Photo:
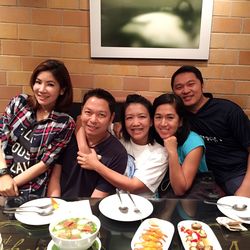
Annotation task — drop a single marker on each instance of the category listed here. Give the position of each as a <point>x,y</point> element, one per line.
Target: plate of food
<point>242,216</point>
<point>197,235</point>
<point>96,245</point>
<point>153,233</point>
<point>109,207</point>
<point>74,231</point>
<point>33,218</point>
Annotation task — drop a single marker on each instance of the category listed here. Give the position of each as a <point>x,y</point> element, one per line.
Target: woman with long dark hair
<point>34,129</point>
<point>185,148</point>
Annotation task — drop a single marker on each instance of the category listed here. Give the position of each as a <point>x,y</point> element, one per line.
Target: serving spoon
<point>28,206</point>
<point>237,207</point>
<point>40,211</point>
<point>122,208</point>
<point>136,209</point>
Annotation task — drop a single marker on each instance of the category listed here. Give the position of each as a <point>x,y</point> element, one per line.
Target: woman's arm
<point>54,187</point>
<point>182,176</point>
<point>99,194</point>
<point>30,174</point>
<point>107,173</point>
<point>90,161</point>
<point>8,186</point>
<point>2,160</point>
<point>85,150</point>
<point>81,138</point>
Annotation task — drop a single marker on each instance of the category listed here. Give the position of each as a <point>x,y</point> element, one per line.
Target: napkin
<point>231,224</point>
<point>81,207</point>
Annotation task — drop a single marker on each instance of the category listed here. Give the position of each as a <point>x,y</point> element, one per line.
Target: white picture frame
<point>200,51</point>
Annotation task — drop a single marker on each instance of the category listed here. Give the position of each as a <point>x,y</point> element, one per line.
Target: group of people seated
<point>159,149</point>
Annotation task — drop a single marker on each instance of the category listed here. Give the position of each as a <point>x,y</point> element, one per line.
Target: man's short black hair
<point>184,69</point>
<point>101,94</point>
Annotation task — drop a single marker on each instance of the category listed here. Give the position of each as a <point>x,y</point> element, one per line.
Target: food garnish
<point>74,228</point>
<point>54,203</point>
<point>151,238</point>
<point>196,237</point>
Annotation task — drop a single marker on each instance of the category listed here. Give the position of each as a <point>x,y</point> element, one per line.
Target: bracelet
<point>4,171</point>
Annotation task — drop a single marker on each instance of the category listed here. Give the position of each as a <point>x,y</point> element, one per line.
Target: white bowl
<point>76,244</point>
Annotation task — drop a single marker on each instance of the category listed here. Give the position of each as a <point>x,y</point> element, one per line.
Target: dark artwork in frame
<point>156,29</point>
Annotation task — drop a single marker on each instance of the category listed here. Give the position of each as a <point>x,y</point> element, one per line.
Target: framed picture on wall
<point>154,29</point>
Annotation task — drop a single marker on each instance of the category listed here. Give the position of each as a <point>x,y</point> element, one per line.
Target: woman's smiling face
<point>138,122</point>
<point>46,90</point>
<point>166,120</point>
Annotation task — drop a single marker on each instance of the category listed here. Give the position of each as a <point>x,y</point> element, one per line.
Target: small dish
<point>34,219</point>
<point>231,224</point>
<point>74,231</point>
<point>235,215</point>
<point>197,232</point>
<point>161,230</point>
<point>96,245</point>
<point>145,206</point>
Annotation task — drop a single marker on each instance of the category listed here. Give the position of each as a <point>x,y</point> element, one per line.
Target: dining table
<point>115,234</point>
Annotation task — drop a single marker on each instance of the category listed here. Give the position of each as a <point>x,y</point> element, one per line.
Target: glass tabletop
<point>116,235</point>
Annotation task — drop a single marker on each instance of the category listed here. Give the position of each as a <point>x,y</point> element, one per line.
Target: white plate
<point>31,218</point>
<point>52,246</point>
<point>109,207</point>
<point>231,213</point>
<point>211,238</point>
<point>166,228</point>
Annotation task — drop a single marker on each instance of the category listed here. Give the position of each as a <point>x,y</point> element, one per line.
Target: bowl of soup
<point>74,232</point>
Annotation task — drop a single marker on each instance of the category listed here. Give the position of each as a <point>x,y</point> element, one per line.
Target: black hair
<point>183,131</point>
<point>134,99</point>
<point>61,74</point>
<point>101,94</point>
<point>184,69</point>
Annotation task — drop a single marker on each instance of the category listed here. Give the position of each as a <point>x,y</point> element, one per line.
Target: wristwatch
<point>4,171</point>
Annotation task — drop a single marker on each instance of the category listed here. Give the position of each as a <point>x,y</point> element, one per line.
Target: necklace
<point>42,114</point>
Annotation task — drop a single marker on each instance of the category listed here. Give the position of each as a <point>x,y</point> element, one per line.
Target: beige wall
<point>31,31</point>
